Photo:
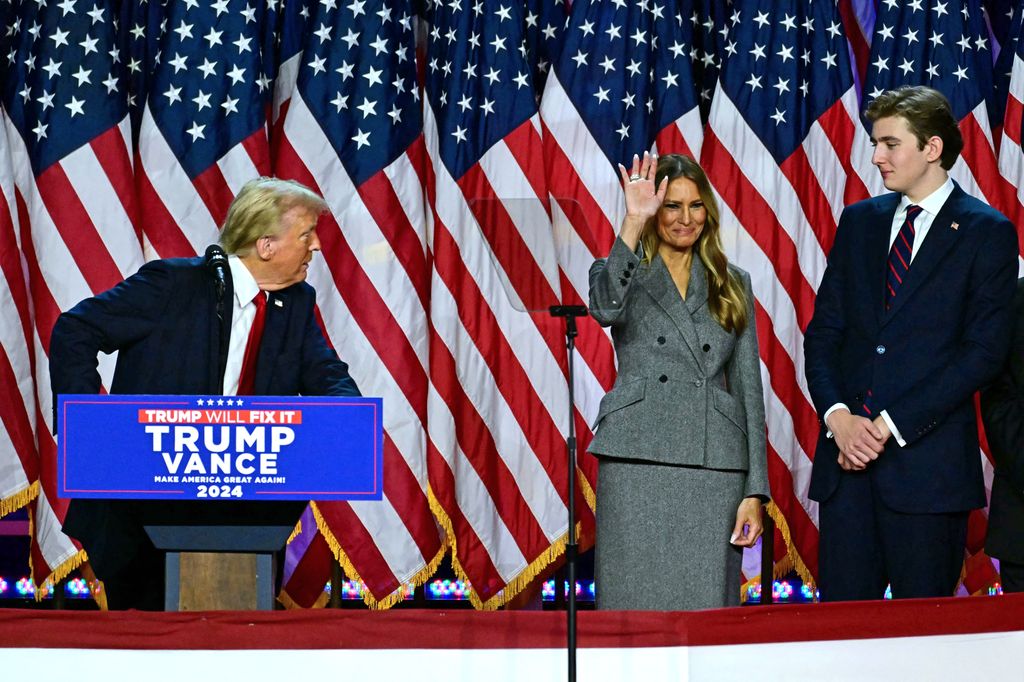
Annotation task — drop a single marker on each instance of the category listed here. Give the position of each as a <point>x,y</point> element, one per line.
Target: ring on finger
<point>634,177</point>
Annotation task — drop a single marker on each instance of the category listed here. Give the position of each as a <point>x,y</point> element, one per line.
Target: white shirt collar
<point>242,281</point>
<point>932,203</point>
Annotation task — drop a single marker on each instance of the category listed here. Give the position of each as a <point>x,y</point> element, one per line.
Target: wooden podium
<point>220,555</point>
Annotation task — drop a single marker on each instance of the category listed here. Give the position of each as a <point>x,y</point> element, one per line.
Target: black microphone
<point>217,264</point>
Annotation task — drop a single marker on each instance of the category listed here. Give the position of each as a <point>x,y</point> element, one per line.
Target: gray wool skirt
<point>663,536</point>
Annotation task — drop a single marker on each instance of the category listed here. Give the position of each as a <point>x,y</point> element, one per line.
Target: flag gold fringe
<point>19,499</point>
<point>588,492</point>
<point>792,561</point>
<point>296,532</point>
<point>797,562</point>
<point>511,589</point>
<point>62,571</point>
<point>390,600</point>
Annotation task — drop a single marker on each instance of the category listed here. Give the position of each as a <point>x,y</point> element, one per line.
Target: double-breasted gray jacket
<point>687,392</point>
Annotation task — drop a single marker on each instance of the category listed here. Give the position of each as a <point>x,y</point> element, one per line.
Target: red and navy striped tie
<point>896,271</point>
<point>899,256</point>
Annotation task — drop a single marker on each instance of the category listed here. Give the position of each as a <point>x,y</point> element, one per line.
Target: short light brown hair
<point>257,209</point>
<point>927,113</point>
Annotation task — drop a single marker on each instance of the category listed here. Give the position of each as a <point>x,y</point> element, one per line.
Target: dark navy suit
<point>945,336</point>
<point>1002,408</point>
<point>164,323</point>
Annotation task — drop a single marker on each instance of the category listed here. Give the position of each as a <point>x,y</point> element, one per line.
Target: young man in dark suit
<point>911,319</point>
<point>181,326</point>
<point>1002,410</point>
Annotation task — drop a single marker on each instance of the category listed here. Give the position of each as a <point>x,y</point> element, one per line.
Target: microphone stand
<point>570,313</point>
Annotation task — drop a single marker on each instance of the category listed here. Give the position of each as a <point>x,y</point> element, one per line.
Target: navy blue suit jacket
<point>945,336</point>
<point>164,324</point>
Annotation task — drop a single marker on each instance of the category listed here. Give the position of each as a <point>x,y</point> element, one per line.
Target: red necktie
<point>247,379</point>
<point>899,256</point>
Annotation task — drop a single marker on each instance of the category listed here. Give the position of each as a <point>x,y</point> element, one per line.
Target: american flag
<point>497,405</point>
<point>352,128</point>
<point>946,45</point>
<point>456,202</point>
<point>785,153</point>
<point>623,84</point>
<point>70,210</point>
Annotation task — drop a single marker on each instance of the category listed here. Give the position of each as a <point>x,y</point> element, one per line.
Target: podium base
<point>206,581</point>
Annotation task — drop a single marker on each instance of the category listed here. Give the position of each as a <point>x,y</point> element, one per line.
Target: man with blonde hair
<point>240,324</point>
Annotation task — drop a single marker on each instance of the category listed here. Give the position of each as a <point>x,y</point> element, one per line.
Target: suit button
<point>627,274</point>
<point>707,347</point>
<point>859,398</point>
<point>698,382</point>
<point>663,378</point>
<point>661,340</point>
<point>880,349</point>
<point>622,281</point>
<point>631,265</point>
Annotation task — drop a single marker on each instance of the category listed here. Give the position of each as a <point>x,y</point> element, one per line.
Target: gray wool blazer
<point>687,392</point>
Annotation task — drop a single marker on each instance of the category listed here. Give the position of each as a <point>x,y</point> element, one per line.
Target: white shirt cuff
<point>837,406</point>
<point>892,428</point>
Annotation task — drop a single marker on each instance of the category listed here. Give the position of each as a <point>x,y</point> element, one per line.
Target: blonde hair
<point>257,209</point>
<point>726,299</point>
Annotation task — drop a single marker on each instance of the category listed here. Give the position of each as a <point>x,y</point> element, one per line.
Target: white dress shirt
<point>930,207</point>
<point>243,313</point>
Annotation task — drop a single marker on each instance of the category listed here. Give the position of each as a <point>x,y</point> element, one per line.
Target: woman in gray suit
<point>681,436</point>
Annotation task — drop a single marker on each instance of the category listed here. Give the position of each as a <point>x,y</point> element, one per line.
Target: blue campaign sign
<point>160,447</point>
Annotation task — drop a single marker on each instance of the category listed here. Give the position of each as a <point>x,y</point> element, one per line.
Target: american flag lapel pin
<point>278,303</point>
<point>955,225</point>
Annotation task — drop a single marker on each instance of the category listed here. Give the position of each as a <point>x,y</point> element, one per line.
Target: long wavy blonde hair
<point>726,298</point>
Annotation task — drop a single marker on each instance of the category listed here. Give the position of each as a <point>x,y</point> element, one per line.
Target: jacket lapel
<point>940,239</point>
<point>662,289</point>
<point>879,227</point>
<point>274,327</point>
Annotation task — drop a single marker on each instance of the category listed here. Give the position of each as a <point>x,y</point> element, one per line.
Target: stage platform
<point>978,638</point>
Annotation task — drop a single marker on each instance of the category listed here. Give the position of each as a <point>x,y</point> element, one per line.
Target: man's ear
<point>933,149</point>
<point>265,247</point>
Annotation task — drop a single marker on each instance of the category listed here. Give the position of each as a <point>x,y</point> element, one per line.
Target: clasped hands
<point>860,440</point>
